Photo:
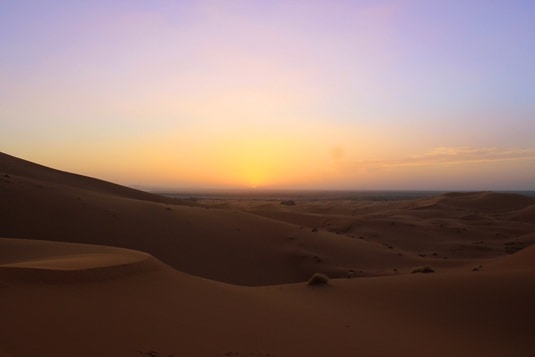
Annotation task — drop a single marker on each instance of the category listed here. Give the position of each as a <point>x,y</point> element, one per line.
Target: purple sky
<point>312,94</point>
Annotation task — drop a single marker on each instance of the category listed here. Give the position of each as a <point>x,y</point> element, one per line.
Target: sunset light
<point>229,94</point>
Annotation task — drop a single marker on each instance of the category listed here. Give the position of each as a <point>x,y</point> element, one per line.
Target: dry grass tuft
<point>424,269</point>
<point>318,279</point>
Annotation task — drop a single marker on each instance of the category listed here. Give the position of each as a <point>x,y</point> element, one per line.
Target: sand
<point>89,268</point>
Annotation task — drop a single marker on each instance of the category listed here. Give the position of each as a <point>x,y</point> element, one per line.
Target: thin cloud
<point>466,154</point>
<point>454,156</point>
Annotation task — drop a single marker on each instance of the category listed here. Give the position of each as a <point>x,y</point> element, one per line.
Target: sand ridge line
<point>73,265</point>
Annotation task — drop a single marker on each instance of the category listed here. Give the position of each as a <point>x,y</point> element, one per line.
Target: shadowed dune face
<point>40,176</point>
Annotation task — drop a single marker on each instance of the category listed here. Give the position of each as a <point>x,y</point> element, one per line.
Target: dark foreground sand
<point>228,278</point>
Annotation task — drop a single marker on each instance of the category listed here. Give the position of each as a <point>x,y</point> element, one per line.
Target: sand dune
<point>174,293</point>
<point>524,215</point>
<point>51,262</point>
<point>521,260</point>
<point>40,176</point>
<point>486,201</point>
<point>236,246</point>
<point>456,226</point>
<point>168,313</point>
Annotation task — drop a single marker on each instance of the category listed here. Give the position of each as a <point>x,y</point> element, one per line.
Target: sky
<point>416,94</point>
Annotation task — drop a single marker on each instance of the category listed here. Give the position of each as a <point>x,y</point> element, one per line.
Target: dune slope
<point>162,312</point>
<point>12,167</point>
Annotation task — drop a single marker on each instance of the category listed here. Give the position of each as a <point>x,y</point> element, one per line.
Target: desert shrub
<point>424,269</point>
<point>318,279</point>
<point>288,202</point>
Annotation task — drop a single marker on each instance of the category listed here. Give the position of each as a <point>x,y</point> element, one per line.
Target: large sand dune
<point>160,311</point>
<point>234,245</point>
<point>62,298</point>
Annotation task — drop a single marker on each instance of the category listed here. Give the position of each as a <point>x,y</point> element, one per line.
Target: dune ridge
<point>486,201</point>
<point>11,167</point>
<point>25,261</point>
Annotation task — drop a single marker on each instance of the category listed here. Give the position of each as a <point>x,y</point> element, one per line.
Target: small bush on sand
<point>288,202</point>
<point>424,269</point>
<point>318,279</point>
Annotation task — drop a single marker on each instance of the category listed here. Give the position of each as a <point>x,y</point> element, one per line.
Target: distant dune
<point>90,268</point>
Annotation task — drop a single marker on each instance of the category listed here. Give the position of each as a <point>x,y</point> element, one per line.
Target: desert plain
<point>91,268</point>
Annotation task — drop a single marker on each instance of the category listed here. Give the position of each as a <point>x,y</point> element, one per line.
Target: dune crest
<point>494,201</point>
<point>12,168</point>
<point>54,262</point>
<point>523,260</point>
